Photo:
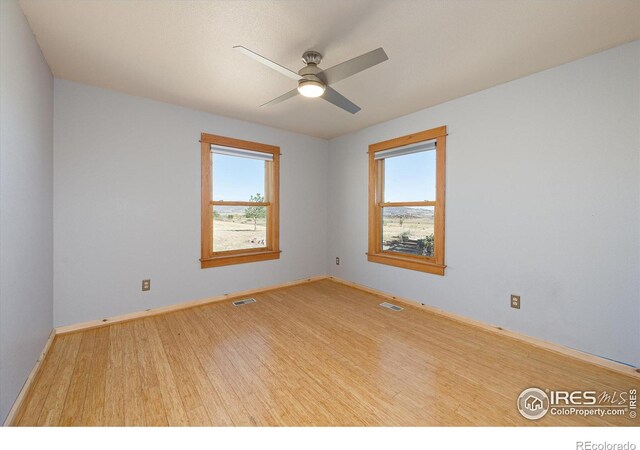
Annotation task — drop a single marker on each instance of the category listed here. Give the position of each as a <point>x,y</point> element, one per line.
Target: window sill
<point>407,262</point>
<point>241,258</point>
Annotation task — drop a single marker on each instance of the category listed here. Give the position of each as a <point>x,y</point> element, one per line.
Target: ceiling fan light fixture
<point>311,88</point>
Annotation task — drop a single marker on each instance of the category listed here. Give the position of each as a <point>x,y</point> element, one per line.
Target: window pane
<point>408,230</point>
<point>237,178</point>
<point>410,178</point>
<point>239,227</point>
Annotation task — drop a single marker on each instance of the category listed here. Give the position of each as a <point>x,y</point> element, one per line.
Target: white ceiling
<point>181,52</point>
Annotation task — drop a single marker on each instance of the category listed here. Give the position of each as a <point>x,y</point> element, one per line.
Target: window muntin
<point>406,201</point>
<point>239,201</point>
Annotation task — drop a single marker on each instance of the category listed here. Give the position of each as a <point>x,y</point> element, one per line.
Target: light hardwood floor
<point>315,354</point>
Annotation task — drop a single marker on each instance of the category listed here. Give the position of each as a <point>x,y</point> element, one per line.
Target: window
<point>240,181</point>
<point>406,201</point>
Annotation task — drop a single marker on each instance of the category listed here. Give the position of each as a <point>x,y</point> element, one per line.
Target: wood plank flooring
<point>318,354</point>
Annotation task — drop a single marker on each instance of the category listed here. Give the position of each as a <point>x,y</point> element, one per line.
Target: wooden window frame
<point>210,258</point>
<point>434,264</point>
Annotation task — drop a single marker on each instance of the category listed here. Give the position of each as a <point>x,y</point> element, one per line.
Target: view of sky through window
<point>236,178</point>
<point>410,178</point>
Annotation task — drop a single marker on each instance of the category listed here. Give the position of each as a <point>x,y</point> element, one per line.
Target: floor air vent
<point>391,306</point>
<point>244,301</point>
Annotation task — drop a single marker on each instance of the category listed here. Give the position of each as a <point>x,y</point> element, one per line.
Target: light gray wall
<point>542,201</point>
<point>26,202</point>
<point>127,205</point>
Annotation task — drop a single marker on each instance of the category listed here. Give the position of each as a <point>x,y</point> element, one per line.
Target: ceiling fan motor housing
<point>311,71</point>
<point>311,82</point>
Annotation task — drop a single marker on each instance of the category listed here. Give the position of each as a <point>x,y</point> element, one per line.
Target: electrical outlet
<point>337,261</point>
<point>515,301</point>
<point>146,285</point>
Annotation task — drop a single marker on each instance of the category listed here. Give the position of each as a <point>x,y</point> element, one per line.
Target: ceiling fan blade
<point>282,98</point>
<point>355,65</point>
<point>333,96</point>
<point>268,62</point>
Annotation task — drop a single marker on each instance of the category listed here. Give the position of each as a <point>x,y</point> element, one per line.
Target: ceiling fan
<point>315,82</point>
